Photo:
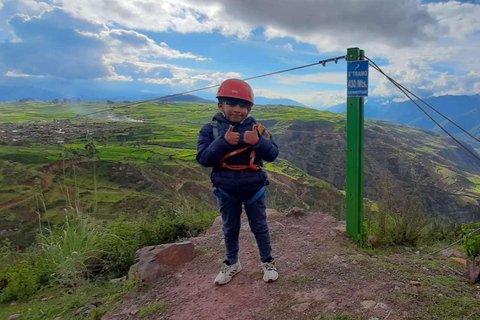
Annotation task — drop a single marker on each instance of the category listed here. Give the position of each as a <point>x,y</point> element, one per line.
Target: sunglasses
<point>233,102</point>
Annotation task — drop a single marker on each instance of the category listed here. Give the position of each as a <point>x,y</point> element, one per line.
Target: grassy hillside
<point>78,196</point>
<point>140,159</point>
<point>110,168</point>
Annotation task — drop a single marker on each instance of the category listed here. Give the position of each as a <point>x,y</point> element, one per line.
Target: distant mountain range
<point>13,93</point>
<point>463,110</point>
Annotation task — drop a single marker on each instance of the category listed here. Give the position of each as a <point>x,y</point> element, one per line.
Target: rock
<point>415,283</point>
<point>372,240</point>
<point>134,312</point>
<point>296,212</point>
<point>85,310</point>
<point>368,304</point>
<point>272,212</point>
<point>341,226</point>
<point>124,278</point>
<point>158,261</point>
<point>302,307</point>
<point>473,271</point>
<point>381,305</point>
<point>15,316</point>
<point>129,310</point>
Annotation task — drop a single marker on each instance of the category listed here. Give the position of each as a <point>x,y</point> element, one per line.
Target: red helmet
<point>235,88</point>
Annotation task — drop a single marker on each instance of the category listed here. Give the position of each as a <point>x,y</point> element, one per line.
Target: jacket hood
<point>221,118</point>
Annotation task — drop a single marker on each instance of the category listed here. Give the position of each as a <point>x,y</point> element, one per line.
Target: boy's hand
<point>251,137</point>
<point>232,137</point>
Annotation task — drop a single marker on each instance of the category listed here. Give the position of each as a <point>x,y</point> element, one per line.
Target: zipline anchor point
<point>355,137</point>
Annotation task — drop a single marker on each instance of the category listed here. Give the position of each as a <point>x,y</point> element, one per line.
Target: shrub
<point>20,281</point>
<point>21,273</point>
<point>121,241</point>
<point>471,239</point>
<point>406,225</point>
<point>72,251</point>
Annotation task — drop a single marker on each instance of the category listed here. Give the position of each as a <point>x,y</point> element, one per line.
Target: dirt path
<point>321,276</point>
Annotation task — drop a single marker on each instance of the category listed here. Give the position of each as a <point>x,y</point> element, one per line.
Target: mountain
<point>463,110</point>
<point>188,98</point>
<point>12,93</point>
<point>258,100</point>
<point>144,165</point>
<point>284,102</point>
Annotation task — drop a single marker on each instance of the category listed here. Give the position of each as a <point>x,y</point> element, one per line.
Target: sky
<point>159,47</point>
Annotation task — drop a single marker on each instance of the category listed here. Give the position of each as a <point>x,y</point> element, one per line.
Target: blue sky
<point>97,48</point>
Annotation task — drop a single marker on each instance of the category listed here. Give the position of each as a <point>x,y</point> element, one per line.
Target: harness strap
<point>251,164</point>
<point>214,124</point>
<point>255,197</point>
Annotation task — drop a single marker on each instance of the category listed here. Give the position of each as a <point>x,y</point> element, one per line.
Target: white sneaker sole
<point>224,283</point>
<point>268,280</point>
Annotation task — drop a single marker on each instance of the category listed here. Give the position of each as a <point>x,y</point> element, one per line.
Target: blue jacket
<point>239,183</point>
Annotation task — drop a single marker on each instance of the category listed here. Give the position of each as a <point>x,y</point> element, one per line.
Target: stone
<point>381,305</point>
<point>302,307</point>
<point>296,212</point>
<point>473,271</point>
<point>158,261</point>
<point>129,310</point>
<point>341,226</point>
<point>372,240</point>
<point>124,278</point>
<point>15,316</point>
<point>272,212</point>
<point>368,304</point>
<point>415,283</point>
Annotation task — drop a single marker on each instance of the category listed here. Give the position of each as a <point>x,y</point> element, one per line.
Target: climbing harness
<point>251,165</point>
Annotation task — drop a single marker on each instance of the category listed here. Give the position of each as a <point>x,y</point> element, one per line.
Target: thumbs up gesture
<point>232,137</point>
<point>251,137</point>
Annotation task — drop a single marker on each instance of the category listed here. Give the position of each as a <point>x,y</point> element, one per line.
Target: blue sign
<point>357,78</point>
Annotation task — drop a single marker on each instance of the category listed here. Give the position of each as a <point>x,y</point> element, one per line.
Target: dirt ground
<point>322,276</point>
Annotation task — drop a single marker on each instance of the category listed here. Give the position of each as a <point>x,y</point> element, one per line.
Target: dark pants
<point>231,210</point>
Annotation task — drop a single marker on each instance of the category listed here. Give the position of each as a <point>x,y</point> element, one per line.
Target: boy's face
<point>235,110</point>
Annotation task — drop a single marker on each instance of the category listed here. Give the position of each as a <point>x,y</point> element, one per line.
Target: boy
<point>235,145</point>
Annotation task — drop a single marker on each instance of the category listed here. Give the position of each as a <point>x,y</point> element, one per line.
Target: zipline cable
<point>426,113</point>
<point>454,243</point>
<point>322,62</point>
<point>423,101</point>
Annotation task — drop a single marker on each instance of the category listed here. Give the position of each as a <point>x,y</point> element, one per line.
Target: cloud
<point>56,44</point>
<point>129,43</point>
<point>288,47</point>
<point>182,78</point>
<point>335,78</point>
<point>312,98</point>
<point>331,26</point>
<point>49,46</point>
<point>160,16</point>
<point>8,8</point>
<point>426,82</point>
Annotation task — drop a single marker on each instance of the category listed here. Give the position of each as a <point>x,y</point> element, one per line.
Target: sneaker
<point>270,273</point>
<point>227,272</point>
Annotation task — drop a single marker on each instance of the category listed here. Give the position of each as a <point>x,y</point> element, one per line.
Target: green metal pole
<point>355,139</point>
